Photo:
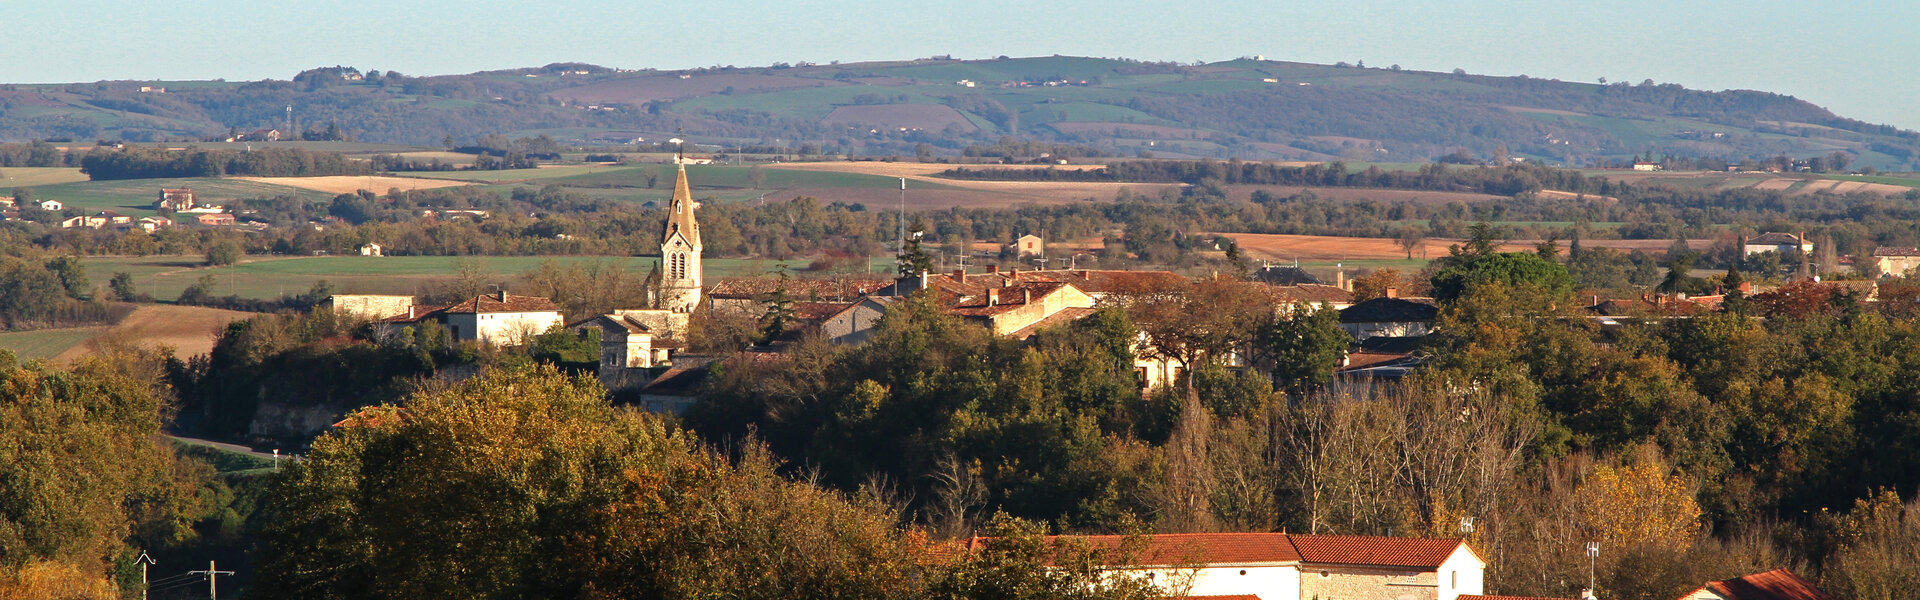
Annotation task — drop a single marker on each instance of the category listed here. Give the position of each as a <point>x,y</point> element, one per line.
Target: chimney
<point>993,268</point>
<point>923,279</point>
<point>503,295</point>
<point>1340,278</point>
<point>1026,296</point>
<point>993,296</point>
<point>410,311</point>
<point>1393,292</point>
<point>960,275</point>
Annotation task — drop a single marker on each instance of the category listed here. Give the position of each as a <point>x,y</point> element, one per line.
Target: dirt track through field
<point>190,330</point>
<point>347,184</point>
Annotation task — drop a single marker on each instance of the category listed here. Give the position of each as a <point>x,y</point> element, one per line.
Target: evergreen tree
<point>913,258</point>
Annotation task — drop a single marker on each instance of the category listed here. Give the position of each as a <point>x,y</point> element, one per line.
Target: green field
<point>135,196</point>
<point>164,277</point>
<point>13,177</point>
<point>506,175</point>
<point>46,343</point>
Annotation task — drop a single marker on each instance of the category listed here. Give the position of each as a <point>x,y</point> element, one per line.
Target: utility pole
<point>144,560</point>
<point>213,590</point>
<point>903,216</point>
<point>1593,556</point>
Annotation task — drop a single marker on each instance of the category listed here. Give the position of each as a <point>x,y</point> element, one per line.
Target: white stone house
<point>1896,261</point>
<point>1030,245</point>
<point>494,319</point>
<point>372,249</point>
<point>627,345</point>
<point>1281,566</point>
<point>368,306</point>
<point>1783,243</point>
<point>52,205</point>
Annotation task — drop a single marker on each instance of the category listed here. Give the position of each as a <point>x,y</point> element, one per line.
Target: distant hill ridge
<point>1253,109</point>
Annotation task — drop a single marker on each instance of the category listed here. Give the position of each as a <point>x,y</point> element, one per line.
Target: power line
<point>213,587</point>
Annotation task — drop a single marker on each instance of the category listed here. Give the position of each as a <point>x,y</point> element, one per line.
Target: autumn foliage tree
<point>524,482</point>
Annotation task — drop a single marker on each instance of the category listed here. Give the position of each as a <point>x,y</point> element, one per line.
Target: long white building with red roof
<point>1282,566</point>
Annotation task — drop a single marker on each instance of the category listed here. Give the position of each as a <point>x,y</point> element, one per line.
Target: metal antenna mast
<point>213,589</point>
<point>144,560</point>
<point>903,216</point>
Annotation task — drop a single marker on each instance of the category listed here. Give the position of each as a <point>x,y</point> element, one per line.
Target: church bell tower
<point>680,248</point>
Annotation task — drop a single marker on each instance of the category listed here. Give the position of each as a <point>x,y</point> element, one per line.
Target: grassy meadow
<point>46,343</point>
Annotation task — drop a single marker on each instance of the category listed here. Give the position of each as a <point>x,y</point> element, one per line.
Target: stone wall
<point>1324,583</point>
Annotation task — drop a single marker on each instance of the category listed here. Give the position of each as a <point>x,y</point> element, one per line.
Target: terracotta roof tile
<point>1775,239</point>
<point>979,303</point>
<point>1374,550</point>
<point>1066,315</point>
<point>1244,548</point>
<point>502,303</point>
<point>818,311</point>
<point>797,288</point>
<point>1215,548</point>
<point>1896,251</point>
<point>1778,584</point>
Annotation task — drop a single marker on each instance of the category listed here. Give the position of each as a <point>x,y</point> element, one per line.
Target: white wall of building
<point>503,328</point>
<point>1269,582</point>
<point>1462,573</point>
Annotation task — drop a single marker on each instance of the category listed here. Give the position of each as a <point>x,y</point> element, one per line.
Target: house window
<point>456,331</point>
<point>1453,580</point>
<point>1140,377</point>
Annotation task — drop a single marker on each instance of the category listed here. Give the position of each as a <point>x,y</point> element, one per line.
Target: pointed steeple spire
<point>680,218</point>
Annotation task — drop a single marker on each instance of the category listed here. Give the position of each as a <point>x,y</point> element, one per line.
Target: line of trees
<point>138,163</point>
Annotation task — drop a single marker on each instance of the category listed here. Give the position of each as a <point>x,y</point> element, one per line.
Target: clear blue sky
<point>1857,58</point>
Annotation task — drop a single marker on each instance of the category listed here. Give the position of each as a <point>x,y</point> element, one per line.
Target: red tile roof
<point>980,303</point>
<point>1495,597</point>
<point>1775,239</point>
<point>797,288</point>
<point>1242,548</point>
<point>1778,584</point>
<point>1066,315</point>
<point>818,311</point>
<point>1374,550</point>
<point>1362,360</point>
<point>1204,548</point>
<point>502,303</point>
